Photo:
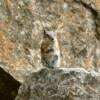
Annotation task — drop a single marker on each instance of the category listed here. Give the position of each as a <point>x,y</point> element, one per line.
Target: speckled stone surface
<point>22,22</point>
<point>66,84</point>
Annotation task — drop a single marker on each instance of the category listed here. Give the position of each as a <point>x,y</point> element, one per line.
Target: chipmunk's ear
<point>45,34</point>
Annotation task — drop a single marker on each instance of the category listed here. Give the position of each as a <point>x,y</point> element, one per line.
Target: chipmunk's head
<point>49,34</point>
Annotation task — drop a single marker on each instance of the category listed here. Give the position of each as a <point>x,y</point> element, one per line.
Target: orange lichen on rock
<point>5,47</point>
<point>98,4</point>
<point>22,62</point>
<point>18,64</point>
<point>6,50</point>
<point>3,25</point>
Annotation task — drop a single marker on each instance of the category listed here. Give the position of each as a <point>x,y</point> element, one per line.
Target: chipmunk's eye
<point>45,35</point>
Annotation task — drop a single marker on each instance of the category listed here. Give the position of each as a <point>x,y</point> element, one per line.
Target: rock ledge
<point>61,84</point>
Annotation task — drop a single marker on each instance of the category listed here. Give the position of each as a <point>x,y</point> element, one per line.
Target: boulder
<point>61,84</point>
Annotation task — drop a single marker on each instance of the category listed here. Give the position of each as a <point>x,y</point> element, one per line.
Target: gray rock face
<point>61,84</point>
<point>22,22</point>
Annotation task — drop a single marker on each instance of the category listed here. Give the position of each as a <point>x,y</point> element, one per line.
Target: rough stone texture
<point>58,84</point>
<point>21,25</point>
<point>8,86</point>
<point>98,4</point>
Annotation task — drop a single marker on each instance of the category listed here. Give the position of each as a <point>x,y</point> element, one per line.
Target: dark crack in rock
<point>61,84</point>
<point>8,86</point>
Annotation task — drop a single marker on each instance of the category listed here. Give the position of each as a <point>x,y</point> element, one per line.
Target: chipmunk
<point>50,52</point>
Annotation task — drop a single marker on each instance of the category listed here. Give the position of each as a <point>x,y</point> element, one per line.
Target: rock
<point>22,22</point>
<point>8,86</point>
<point>98,4</point>
<point>61,84</point>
